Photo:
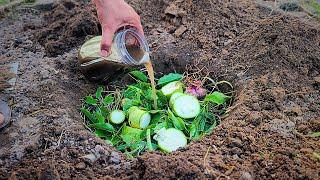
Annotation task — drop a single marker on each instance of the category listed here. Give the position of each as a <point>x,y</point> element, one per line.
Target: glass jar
<point>128,49</point>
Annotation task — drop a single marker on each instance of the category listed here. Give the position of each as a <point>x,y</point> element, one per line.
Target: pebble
<point>127,166</point>
<point>99,149</point>
<point>235,142</point>
<point>90,157</point>
<point>45,74</point>
<point>246,176</point>
<point>81,165</point>
<point>114,158</point>
<point>317,79</point>
<point>229,41</point>
<point>180,31</point>
<point>224,52</point>
<point>236,151</point>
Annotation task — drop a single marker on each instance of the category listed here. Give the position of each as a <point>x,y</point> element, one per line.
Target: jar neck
<point>132,55</point>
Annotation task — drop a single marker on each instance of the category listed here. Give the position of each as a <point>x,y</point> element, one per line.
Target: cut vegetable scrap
<point>185,106</point>
<point>171,139</point>
<point>174,96</point>
<point>117,116</point>
<point>177,114</point>
<point>138,118</point>
<point>173,87</point>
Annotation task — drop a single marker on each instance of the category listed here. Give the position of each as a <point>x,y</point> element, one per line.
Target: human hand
<point>114,15</point>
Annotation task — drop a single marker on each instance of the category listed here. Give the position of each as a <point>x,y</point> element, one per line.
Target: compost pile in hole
<point>272,59</point>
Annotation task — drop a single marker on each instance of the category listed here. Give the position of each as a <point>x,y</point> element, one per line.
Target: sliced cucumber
<point>174,96</point>
<point>170,139</point>
<point>186,106</point>
<point>117,116</point>
<point>138,118</point>
<point>169,89</point>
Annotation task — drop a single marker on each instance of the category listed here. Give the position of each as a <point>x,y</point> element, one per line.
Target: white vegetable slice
<point>169,89</point>
<point>117,116</point>
<point>170,139</point>
<point>186,106</point>
<point>138,118</point>
<point>174,96</point>
<point>145,120</point>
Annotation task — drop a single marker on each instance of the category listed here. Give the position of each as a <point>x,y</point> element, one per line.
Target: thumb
<point>107,37</point>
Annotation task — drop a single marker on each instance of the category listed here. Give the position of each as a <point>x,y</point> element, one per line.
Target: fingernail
<point>104,53</point>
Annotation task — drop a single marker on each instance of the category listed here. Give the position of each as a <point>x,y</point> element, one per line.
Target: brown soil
<point>271,58</point>
<point>67,26</point>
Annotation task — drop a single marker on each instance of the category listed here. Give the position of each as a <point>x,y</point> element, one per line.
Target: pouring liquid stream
<point>150,71</point>
<point>137,53</point>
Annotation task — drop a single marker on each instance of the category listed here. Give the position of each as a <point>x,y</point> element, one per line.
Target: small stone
<point>246,176</point>
<point>127,166</point>
<point>114,158</point>
<point>81,166</point>
<point>224,52</point>
<point>235,142</point>
<point>297,110</point>
<point>90,157</point>
<point>180,31</point>
<point>317,79</point>
<point>99,149</point>
<point>173,10</point>
<point>235,156</point>
<point>236,151</point>
<point>45,74</point>
<point>256,107</point>
<point>229,41</point>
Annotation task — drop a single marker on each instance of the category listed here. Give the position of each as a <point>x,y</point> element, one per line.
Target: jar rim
<point>142,43</point>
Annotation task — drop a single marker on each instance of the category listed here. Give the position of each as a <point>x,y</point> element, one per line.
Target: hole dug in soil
<point>188,108</point>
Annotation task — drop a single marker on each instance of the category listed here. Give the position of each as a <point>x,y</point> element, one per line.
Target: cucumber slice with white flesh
<point>170,139</point>
<point>186,106</point>
<point>169,89</point>
<point>117,116</point>
<point>174,96</point>
<point>138,118</point>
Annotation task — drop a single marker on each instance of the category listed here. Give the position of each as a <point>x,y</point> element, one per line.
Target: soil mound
<point>67,25</point>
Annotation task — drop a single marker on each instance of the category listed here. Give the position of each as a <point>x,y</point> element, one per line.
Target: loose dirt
<point>271,58</point>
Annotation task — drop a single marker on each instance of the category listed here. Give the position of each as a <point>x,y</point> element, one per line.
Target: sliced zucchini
<point>170,139</point>
<point>174,96</point>
<point>169,89</point>
<point>117,116</point>
<point>186,106</point>
<point>138,118</point>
